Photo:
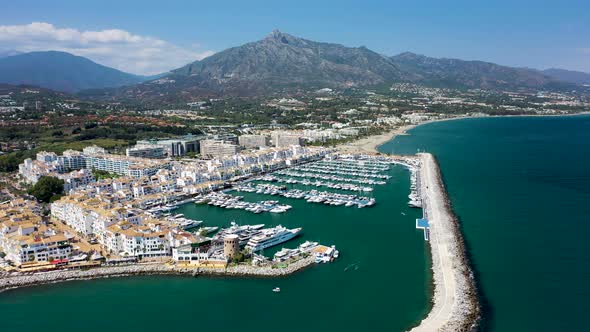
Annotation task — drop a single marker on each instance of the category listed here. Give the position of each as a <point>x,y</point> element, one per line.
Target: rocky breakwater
<point>455,302</point>
<point>24,280</point>
<point>268,271</point>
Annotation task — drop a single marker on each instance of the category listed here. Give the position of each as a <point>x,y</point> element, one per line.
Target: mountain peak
<point>276,33</point>
<point>408,55</point>
<point>281,37</point>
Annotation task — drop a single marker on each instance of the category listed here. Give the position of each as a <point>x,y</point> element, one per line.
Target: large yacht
<point>244,233</point>
<point>271,237</point>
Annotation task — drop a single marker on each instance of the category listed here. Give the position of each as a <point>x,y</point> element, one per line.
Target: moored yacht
<point>271,237</point>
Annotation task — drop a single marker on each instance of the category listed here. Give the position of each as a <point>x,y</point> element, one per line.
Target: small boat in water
<point>276,289</point>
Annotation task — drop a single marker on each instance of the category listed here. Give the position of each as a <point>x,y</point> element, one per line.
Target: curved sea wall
<point>455,301</point>
<point>18,281</point>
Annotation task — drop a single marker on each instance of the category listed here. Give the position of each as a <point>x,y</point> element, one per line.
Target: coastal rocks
<point>268,271</point>
<point>66,275</point>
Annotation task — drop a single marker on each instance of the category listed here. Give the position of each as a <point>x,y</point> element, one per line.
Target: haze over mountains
<point>276,63</point>
<point>576,77</point>
<point>61,71</point>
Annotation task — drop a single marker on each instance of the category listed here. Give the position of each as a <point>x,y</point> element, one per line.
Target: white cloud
<point>112,47</point>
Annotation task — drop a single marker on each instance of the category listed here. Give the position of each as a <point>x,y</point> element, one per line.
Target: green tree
<point>47,189</point>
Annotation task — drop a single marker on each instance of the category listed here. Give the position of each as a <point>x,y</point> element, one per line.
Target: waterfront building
<point>25,238</point>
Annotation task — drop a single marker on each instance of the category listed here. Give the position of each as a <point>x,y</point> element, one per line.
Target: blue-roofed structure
<point>423,224</point>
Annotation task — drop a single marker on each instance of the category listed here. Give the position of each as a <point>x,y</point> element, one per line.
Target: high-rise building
<point>254,141</point>
<point>285,139</point>
<point>215,149</point>
<point>146,151</point>
<point>175,147</point>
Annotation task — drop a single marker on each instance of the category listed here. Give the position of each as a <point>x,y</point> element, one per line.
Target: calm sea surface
<point>521,188</point>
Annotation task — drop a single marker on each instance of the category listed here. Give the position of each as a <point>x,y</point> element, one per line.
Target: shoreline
<point>455,300</point>
<point>53,277</point>
<point>372,143</point>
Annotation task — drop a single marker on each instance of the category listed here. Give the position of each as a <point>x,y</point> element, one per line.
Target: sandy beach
<point>455,304</point>
<point>371,143</point>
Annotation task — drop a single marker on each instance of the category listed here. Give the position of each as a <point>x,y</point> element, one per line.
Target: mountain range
<point>576,77</point>
<point>61,71</point>
<point>279,62</point>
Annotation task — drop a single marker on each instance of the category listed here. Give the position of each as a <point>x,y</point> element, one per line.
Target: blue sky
<point>153,36</point>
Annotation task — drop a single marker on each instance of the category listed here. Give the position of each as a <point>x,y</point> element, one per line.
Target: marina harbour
<point>382,258</point>
<point>256,238</point>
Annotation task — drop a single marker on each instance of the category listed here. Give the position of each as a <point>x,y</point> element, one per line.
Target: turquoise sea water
<point>389,291</point>
<point>521,188</point>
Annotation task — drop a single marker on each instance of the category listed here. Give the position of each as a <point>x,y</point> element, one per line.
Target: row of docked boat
<point>353,165</point>
<point>343,169</point>
<point>181,222</point>
<point>311,196</point>
<point>415,195</point>
<point>235,202</point>
<point>339,168</point>
<point>311,175</point>
<point>316,183</point>
<point>327,170</point>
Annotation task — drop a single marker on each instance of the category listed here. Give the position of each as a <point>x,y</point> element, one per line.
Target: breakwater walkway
<point>455,303</point>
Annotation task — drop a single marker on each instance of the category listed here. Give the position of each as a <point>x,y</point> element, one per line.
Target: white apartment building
<point>254,141</point>
<point>146,151</point>
<point>217,148</point>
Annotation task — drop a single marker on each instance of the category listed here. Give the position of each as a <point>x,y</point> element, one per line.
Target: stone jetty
<point>455,302</point>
